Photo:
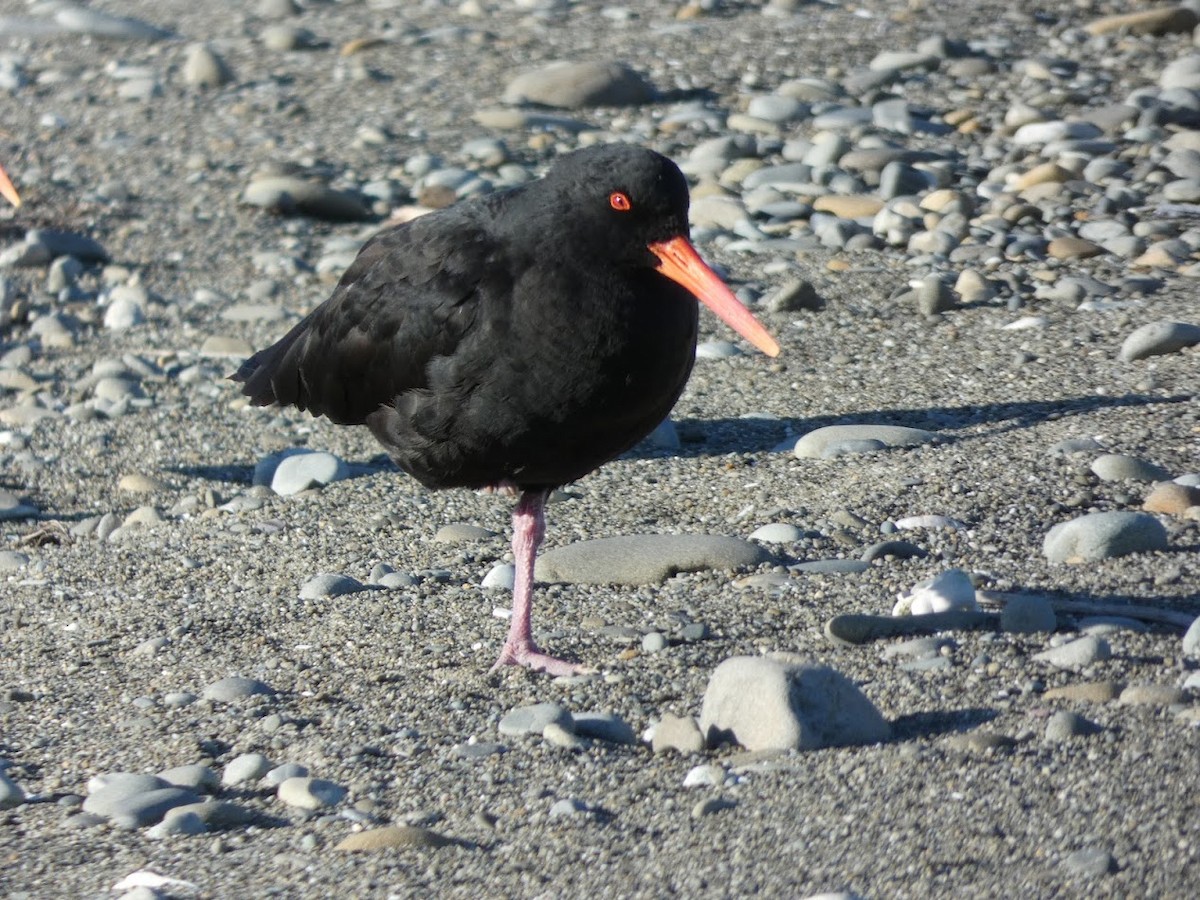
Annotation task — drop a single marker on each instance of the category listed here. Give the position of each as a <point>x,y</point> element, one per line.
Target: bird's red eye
<point>619,201</point>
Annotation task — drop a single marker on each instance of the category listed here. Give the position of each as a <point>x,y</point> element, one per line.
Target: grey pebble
<point>777,533</point>
<point>235,687</point>
<point>330,584</point>
<point>126,809</point>
<point>310,793</point>
<point>500,577</point>
<point>814,444</point>
<point>288,195</point>
<point>12,560</point>
<point>194,777</point>
<point>1076,654</point>
<point>11,793</point>
<point>301,471</point>
<point>1104,535</point>
<point>1120,467</point>
<point>568,85</point>
<point>710,805</point>
<point>567,807</point>
<point>203,68</point>
<point>717,350</point>
<point>245,768</point>
<point>82,20</point>
<point>1064,725</point>
<point>462,533</point>
<point>1090,862</point>
<point>1159,338</point>
<point>176,824</point>
<point>678,733</point>
<point>654,642</point>
<point>282,773</point>
<point>534,719</point>
<point>786,703</point>
<point>645,559</point>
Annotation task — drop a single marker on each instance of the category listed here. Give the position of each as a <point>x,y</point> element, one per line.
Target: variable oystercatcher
<point>518,340</point>
<point>7,191</point>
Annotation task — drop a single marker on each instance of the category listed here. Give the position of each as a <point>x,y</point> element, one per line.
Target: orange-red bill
<point>680,262</point>
<point>7,191</point>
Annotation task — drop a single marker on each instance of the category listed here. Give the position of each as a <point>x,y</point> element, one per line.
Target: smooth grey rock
<point>82,20</point>
<point>1077,653</point>
<point>244,768</point>
<point>645,558</point>
<point>567,807</point>
<point>177,824</point>
<point>1064,725</point>
<point>500,577</point>
<point>568,85</point>
<point>194,777</point>
<point>786,703</point>
<point>136,810</point>
<point>1090,862</point>
<point>1119,467</point>
<point>462,533</point>
<point>777,533</point>
<point>1159,338</point>
<point>1104,535</point>
<point>330,584</point>
<point>302,471</point>
<point>11,793</point>
<point>288,195</point>
<point>310,793</point>
<point>235,687</point>
<point>280,774</point>
<point>203,68</point>
<point>534,719</point>
<point>678,733</point>
<point>814,444</point>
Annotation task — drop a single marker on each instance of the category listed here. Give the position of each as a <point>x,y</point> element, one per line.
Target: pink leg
<point>529,526</point>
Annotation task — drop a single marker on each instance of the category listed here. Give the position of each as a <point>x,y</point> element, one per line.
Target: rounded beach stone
<point>569,85</point>
<point>392,836</point>
<point>771,703</point>
<point>1104,535</point>
<point>815,444</point>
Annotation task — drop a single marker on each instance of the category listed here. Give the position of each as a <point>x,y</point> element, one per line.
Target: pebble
<point>195,777</point>
<point>1151,695</point>
<point>678,733</point>
<point>1090,862</point>
<point>1076,654</point>
<point>11,793</point>
<point>330,584</point>
<point>567,807</point>
<point>128,806</point>
<point>568,85</point>
<point>203,68</point>
<point>1158,339</point>
<point>301,471</point>
<point>235,687</point>
<point>777,533</point>
<point>462,533</point>
<point>1064,725</point>
<point>1119,467</point>
<point>824,443</point>
<point>245,768</point>
<point>534,719</point>
<point>1085,692</point>
<point>781,702</point>
<point>645,559</point>
<point>1104,535</point>
<point>500,577</point>
<point>710,805</point>
<point>288,196</point>
<point>1171,499</point>
<point>282,773</point>
<point>310,793</point>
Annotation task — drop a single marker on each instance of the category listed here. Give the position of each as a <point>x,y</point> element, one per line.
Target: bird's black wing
<point>409,297</point>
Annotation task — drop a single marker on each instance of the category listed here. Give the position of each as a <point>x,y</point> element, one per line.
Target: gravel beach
<point>909,611</point>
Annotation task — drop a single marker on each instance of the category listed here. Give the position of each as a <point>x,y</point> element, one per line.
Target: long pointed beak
<point>680,262</point>
<point>7,191</point>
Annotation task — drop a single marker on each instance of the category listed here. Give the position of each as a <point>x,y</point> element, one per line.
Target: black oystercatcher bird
<point>7,191</point>
<point>519,340</point>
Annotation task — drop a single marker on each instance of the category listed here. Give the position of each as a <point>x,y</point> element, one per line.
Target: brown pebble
<point>393,836</point>
<point>1172,499</point>
<point>1087,691</point>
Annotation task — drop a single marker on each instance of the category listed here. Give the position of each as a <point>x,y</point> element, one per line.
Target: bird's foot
<point>527,654</point>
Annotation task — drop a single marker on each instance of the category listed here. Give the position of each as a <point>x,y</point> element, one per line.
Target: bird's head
<point>633,203</point>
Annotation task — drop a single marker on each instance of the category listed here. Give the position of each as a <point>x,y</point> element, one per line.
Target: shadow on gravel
<point>236,474</point>
<point>714,437</point>
<point>938,721</point>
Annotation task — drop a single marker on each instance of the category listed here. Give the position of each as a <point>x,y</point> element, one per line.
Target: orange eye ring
<point>619,201</point>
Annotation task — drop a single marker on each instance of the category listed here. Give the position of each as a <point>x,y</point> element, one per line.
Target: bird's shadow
<point>717,437</point>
